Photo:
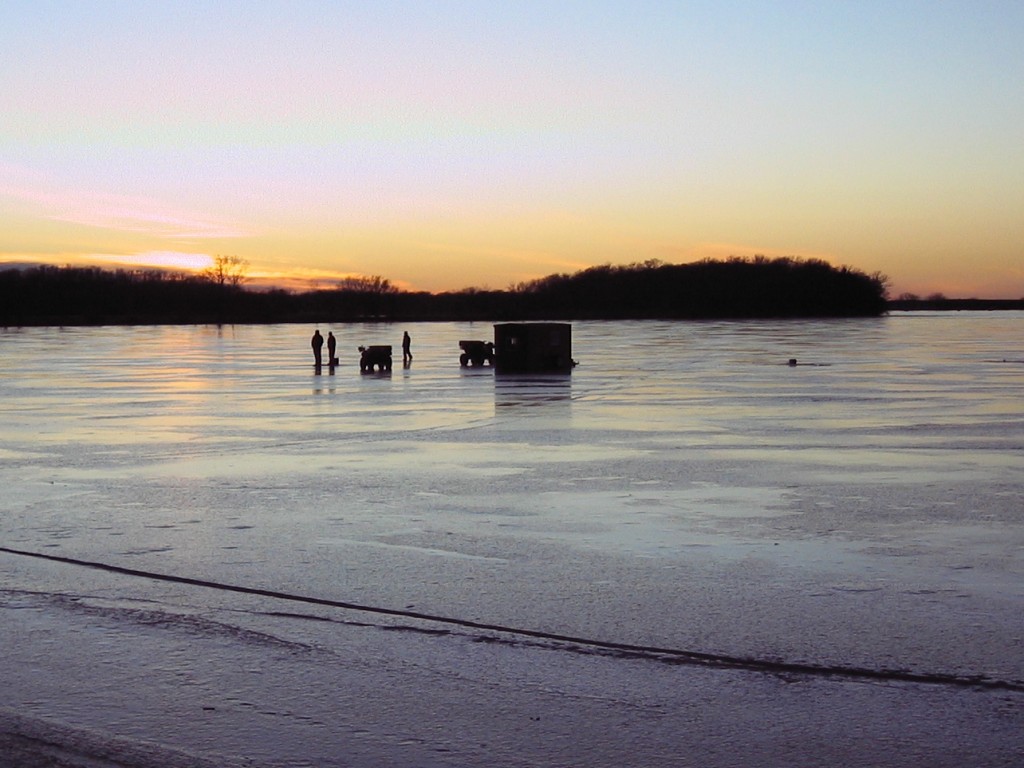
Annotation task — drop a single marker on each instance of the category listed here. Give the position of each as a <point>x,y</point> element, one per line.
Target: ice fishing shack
<point>533,347</point>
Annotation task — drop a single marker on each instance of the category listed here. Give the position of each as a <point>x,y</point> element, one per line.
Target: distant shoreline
<point>734,289</point>
<point>954,305</point>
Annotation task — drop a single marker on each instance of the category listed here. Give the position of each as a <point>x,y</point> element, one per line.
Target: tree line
<point>757,287</point>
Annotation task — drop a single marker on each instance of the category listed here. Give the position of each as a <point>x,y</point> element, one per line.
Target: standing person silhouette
<point>406,353</point>
<point>331,346</point>
<point>317,343</point>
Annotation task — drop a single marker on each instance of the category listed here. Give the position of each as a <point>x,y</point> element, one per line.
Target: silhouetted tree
<point>227,270</point>
<point>374,284</point>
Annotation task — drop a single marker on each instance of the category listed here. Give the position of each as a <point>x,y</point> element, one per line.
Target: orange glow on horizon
<point>181,262</point>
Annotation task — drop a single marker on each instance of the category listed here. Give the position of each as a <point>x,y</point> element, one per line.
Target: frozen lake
<point>756,563</point>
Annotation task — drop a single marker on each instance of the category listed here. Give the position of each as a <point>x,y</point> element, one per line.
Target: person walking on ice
<point>406,348</point>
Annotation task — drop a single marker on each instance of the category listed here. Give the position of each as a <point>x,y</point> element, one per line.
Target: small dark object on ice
<point>378,355</point>
<point>476,352</point>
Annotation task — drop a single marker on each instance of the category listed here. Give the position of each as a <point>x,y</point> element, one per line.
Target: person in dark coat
<point>331,346</point>
<point>317,343</point>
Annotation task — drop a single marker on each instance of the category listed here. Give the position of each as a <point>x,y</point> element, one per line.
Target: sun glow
<point>183,262</point>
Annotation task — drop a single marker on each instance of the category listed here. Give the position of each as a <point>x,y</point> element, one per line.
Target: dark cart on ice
<point>378,355</point>
<point>476,352</point>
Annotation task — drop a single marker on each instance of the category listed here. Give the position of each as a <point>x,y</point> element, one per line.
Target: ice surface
<point>684,488</point>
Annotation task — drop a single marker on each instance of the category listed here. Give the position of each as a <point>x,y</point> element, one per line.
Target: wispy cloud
<point>307,279</point>
<point>119,213</point>
<point>135,216</point>
<point>171,260</point>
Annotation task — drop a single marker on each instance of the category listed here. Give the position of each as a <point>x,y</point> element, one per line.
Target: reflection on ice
<point>511,390</point>
<point>682,488</point>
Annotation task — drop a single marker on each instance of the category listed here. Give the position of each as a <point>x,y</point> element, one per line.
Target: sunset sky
<point>448,144</point>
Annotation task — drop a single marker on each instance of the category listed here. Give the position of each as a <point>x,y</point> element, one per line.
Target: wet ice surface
<point>684,488</point>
